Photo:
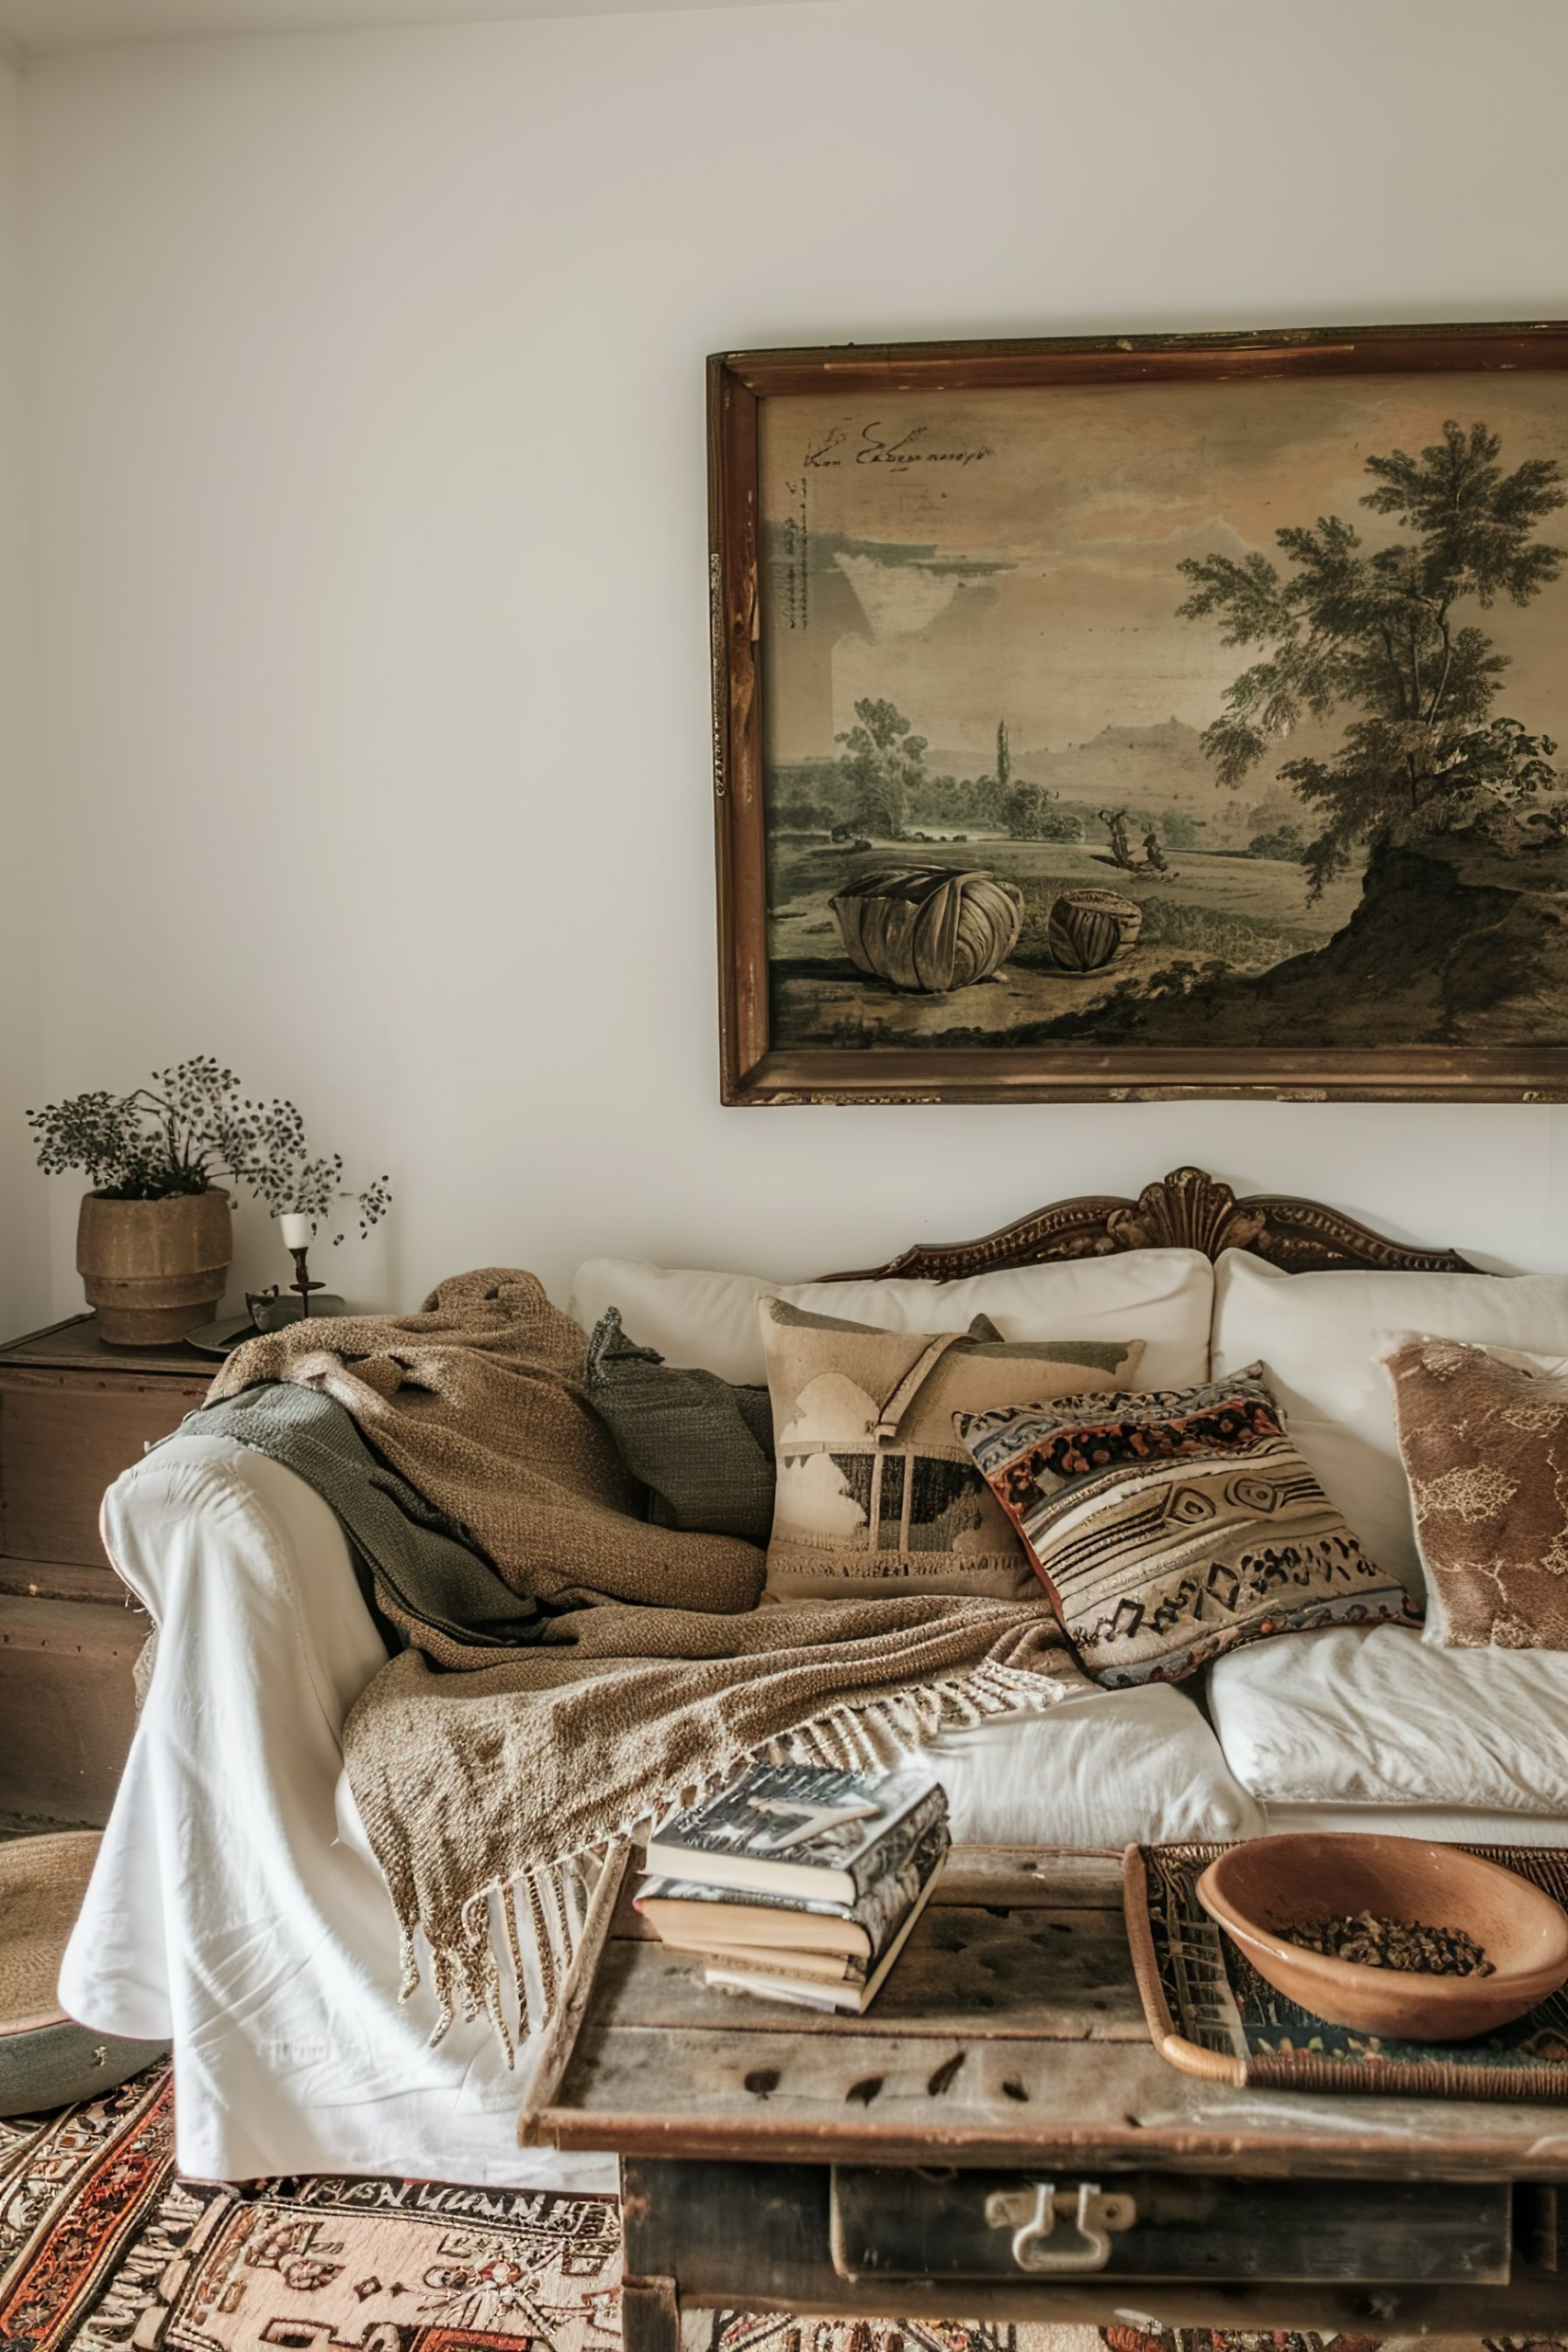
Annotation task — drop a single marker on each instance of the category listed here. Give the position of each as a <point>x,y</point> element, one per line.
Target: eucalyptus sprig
<point>190,1127</point>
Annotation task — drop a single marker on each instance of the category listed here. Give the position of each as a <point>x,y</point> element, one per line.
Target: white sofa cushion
<point>709,1321</point>
<point>1102,1768</point>
<point>1343,1716</point>
<point>1321,1338</point>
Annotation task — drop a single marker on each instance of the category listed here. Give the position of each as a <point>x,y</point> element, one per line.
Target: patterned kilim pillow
<point>1171,1526</point>
<point>875,1497</point>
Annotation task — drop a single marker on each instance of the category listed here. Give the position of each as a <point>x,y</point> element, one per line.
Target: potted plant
<point>153,1240</point>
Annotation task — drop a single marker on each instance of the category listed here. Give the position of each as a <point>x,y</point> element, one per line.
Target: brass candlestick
<point>302,1283</point>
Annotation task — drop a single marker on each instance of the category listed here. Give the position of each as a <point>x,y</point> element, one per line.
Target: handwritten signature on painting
<point>874,447</point>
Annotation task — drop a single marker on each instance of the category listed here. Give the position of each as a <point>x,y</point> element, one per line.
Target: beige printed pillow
<point>875,1497</point>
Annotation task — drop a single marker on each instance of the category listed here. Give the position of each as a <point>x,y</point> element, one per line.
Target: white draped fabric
<point>236,1907</point>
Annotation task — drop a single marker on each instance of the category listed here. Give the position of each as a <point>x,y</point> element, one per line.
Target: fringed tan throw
<point>527,1775</point>
<point>479,1400</point>
<point>509,1785</point>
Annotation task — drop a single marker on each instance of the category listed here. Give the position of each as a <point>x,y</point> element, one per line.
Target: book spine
<point>888,1857</point>
<point>778,1985</point>
<point>804,1996</point>
<point>746,1964</point>
<point>886,1906</point>
<point>775,1960</point>
<point>696,1891</point>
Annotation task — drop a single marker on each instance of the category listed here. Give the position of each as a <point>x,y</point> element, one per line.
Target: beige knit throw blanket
<point>493,1794</point>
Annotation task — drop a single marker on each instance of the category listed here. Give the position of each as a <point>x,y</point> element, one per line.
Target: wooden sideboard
<point>74,1414</point>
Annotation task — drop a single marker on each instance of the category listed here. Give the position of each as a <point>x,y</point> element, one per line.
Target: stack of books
<point>798,1884</point>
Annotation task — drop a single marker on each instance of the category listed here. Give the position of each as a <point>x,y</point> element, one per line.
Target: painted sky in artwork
<point>1014,554</point>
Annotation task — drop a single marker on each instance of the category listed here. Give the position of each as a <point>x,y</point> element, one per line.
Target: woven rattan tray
<point>1210,2013</point>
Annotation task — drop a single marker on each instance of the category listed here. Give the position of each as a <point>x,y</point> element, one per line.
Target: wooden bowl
<point>1255,1890</point>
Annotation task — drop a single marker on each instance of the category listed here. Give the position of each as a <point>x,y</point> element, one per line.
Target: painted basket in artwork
<point>930,927</point>
<point>1087,928</point>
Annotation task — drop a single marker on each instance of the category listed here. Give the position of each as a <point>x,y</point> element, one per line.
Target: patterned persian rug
<point>105,2248</point>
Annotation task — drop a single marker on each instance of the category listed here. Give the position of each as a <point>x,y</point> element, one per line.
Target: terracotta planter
<point>154,1270</point>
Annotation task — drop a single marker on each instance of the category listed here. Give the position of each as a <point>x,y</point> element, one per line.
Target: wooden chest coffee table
<point>997,2139</point>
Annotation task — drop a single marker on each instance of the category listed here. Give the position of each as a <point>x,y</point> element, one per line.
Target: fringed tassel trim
<point>562,1897</point>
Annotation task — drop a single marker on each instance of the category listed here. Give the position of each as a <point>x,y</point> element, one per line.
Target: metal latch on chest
<point>1045,2238</point>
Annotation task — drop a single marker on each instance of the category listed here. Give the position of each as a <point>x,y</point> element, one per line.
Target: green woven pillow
<point>702,1449</point>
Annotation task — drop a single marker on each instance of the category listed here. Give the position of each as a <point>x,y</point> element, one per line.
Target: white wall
<point>23,1265</point>
<point>370,497</point>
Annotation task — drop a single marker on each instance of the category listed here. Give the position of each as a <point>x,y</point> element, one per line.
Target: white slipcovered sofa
<point>237,1908</point>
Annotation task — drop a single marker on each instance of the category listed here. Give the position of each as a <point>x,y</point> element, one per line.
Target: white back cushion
<point>1100,1768</point>
<point>1322,1337</point>
<point>1353,1715</point>
<point>1164,1297</point>
<point>703,1322</point>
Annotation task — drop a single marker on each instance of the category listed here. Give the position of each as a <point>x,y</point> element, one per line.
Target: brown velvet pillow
<point>1484,1443</point>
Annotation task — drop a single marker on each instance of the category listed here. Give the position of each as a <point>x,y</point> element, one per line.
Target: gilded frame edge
<point>753,1071</point>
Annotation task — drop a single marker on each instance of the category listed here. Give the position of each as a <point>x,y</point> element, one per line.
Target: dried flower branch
<point>190,1127</point>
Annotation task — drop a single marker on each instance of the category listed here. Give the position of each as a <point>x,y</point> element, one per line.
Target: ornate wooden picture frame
<point>1147,717</point>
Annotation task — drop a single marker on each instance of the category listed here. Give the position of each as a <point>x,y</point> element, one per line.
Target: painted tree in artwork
<point>1378,636</point>
<point>883,761</point>
<point>1004,756</point>
<point>1023,811</point>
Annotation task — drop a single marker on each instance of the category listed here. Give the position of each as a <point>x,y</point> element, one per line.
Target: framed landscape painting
<point>1147,717</point>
